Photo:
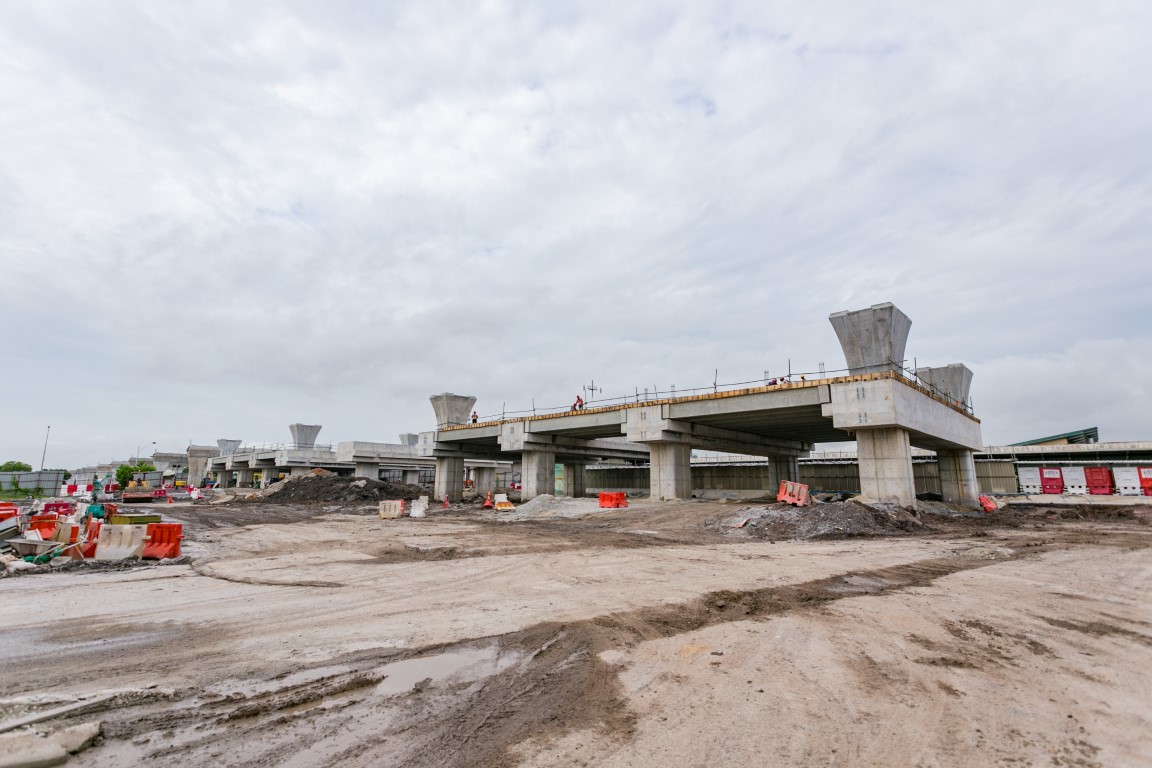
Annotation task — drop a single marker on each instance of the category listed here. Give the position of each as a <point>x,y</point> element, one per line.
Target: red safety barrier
<point>7,514</point>
<point>793,493</point>
<point>58,507</point>
<point>1051,480</point>
<point>45,524</point>
<point>1146,480</point>
<point>163,540</point>
<point>91,537</point>
<point>613,500</point>
<point>1099,480</point>
<point>987,504</point>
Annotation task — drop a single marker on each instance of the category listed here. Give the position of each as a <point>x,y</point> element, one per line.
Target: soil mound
<point>329,488</point>
<point>833,520</point>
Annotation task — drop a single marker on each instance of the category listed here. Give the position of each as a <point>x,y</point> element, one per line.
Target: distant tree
<point>15,466</point>
<point>124,472</point>
<point>15,484</point>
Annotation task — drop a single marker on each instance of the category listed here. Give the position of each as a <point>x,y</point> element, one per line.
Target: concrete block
<point>304,435</point>
<point>873,339</point>
<point>120,542</point>
<point>29,750</point>
<point>77,737</point>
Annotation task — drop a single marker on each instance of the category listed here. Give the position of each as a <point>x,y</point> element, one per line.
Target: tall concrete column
<point>671,475</point>
<point>224,478</point>
<point>575,480</point>
<point>958,484</point>
<point>298,471</point>
<point>539,474</point>
<point>412,477</point>
<point>369,469</point>
<point>244,478</point>
<point>485,479</point>
<point>198,456</point>
<point>449,478</point>
<point>885,458</point>
<point>785,468</point>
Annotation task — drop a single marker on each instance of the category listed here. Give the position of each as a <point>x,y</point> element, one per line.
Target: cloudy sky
<point>217,219</point>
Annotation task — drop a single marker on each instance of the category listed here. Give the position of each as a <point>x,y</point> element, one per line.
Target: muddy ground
<point>676,634</point>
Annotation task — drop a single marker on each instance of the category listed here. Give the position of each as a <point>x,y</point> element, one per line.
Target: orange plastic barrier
<point>46,524</point>
<point>987,504</point>
<point>163,540</point>
<point>67,533</point>
<point>613,500</point>
<point>793,493</point>
<point>91,537</point>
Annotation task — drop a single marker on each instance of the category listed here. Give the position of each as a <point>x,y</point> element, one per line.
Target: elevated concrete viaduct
<point>877,404</point>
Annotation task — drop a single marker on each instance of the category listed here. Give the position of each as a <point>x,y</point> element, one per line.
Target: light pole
<point>138,447</point>
<point>45,453</point>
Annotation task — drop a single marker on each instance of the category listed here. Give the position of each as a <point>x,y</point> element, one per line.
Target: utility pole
<point>45,453</point>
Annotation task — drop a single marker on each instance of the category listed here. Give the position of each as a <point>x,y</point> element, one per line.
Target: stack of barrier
<point>390,510</point>
<point>793,493</point>
<point>163,540</point>
<point>44,524</point>
<point>119,542</point>
<point>1146,480</point>
<point>419,507</point>
<point>91,536</point>
<point>613,500</point>
<point>67,533</point>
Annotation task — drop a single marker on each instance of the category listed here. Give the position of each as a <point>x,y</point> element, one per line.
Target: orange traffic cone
<point>488,501</point>
<point>445,501</point>
<point>170,500</point>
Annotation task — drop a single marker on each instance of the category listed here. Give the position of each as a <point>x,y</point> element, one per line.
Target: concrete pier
<point>958,483</point>
<point>452,410</point>
<point>671,474</point>
<point>484,479</point>
<point>538,474</point>
<point>885,458</point>
<point>412,477</point>
<point>449,478</point>
<point>198,456</point>
<point>304,435</point>
<point>873,339</point>
<point>575,479</point>
<point>370,470</point>
<point>227,447</point>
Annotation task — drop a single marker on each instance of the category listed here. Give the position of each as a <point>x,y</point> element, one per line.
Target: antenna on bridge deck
<point>590,390</point>
<point>715,378</point>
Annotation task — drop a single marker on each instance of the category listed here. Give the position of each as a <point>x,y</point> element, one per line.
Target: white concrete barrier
<point>390,510</point>
<point>119,542</point>
<point>419,507</point>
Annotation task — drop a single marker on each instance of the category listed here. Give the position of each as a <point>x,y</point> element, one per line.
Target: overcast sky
<point>217,219</point>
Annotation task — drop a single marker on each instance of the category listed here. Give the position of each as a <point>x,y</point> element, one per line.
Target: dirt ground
<point>672,634</point>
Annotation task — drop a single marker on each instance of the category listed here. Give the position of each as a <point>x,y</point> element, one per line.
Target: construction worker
<point>475,418</point>
<point>579,404</point>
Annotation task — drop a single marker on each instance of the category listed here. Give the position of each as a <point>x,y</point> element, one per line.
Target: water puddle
<point>464,665</point>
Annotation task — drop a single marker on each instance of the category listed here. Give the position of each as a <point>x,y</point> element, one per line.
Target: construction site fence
<point>993,477</point>
<point>650,394</point>
<point>48,481</point>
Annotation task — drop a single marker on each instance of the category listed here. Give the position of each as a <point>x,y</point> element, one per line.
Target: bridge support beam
<point>958,478</point>
<point>786,468</point>
<point>538,473</point>
<point>449,478</point>
<point>671,475</point>
<point>885,458</point>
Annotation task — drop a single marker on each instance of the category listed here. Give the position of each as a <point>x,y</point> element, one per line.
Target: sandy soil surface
<point>675,634</point>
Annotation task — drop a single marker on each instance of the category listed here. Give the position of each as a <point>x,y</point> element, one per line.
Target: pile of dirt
<point>547,505</point>
<point>329,488</point>
<point>833,520</point>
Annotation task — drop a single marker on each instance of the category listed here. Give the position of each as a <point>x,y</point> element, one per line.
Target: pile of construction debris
<point>327,487</point>
<point>57,533</point>
<point>832,520</point>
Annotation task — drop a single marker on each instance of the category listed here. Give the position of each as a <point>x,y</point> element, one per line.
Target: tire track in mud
<point>553,682</point>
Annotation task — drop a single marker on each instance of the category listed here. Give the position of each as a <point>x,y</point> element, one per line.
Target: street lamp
<point>138,447</point>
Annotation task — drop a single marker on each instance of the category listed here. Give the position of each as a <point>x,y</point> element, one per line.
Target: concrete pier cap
<point>228,447</point>
<point>952,381</point>
<point>304,435</point>
<point>451,409</point>
<point>873,339</point>
<point>408,438</point>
